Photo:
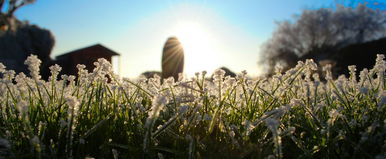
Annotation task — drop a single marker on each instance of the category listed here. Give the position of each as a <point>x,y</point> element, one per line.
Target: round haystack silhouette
<point>172,58</point>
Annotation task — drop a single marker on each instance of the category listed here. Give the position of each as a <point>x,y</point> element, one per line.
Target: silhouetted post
<point>172,58</point>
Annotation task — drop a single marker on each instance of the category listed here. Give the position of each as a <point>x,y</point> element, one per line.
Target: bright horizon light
<point>229,33</point>
<point>199,46</point>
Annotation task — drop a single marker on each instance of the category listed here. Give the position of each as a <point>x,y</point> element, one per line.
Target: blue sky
<point>137,29</point>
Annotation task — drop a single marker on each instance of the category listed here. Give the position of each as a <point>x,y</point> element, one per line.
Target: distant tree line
<point>320,34</point>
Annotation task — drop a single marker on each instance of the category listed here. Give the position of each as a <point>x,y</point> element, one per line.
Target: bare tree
<point>13,5</point>
<point>319,33</point>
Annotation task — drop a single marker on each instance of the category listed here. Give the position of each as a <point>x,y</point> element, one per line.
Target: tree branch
<point>13,6</point>
<point>1,4</point>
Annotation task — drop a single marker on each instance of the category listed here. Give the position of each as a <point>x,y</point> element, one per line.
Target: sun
<point>199,47</point>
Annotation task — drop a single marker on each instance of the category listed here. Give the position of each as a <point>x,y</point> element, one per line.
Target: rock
<point>172,59</point>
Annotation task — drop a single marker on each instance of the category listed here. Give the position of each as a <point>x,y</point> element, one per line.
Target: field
<point>298,114</point>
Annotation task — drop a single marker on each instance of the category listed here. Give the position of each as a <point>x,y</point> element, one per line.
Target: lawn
<point>302,113</point>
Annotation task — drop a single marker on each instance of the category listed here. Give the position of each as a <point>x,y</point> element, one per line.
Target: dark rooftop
<point>100,47</point>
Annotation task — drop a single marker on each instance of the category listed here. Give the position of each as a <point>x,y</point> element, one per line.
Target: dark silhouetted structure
<point>362,55</point>
<point>228,72</point>
<point>86,56</point>
<point>172,58</point>
<point>151,74</point>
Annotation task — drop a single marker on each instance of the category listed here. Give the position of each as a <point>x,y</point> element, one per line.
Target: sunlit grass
<point>293,115</point>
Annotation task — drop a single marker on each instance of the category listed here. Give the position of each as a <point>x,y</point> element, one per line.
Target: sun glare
<point>199,47</point>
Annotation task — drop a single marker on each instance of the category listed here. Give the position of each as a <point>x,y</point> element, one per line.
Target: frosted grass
<point>296,114</point>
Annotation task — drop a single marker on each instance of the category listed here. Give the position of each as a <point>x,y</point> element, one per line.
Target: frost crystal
<point>218,74</point>
<point>159,103</point>
<point>33,63</point>
<point>272,124</point>
<point>2,68</point>
<point>183,109</point>
<point>73,106</point>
